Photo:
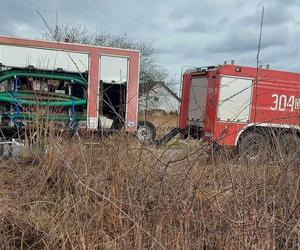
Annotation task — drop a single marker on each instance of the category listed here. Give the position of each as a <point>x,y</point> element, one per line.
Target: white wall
<point>159,99</point>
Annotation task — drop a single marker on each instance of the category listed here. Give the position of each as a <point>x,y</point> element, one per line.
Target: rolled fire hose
<point>33,99</point>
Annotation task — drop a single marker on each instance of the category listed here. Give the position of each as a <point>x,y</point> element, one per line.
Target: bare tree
<point>150,70</point>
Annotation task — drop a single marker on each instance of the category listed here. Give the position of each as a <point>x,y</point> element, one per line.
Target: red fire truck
<point>243,107</point>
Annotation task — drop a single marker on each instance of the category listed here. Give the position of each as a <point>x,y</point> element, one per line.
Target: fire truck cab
<point>240,106</point>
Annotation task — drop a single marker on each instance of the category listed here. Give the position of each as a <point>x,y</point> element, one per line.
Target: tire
<point>194,132</point>
<point>289,145</point>
<point>146,131</point>
<point>253,148</point>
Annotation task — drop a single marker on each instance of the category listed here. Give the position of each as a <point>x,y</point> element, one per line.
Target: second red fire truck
<point>243,107</point>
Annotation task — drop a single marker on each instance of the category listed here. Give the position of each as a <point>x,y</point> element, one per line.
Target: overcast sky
<point>190,32</point>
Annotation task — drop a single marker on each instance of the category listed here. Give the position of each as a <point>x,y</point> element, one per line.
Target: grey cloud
<point>244,39</point>
<point>175,15</point>
<point>197,27</point>
<point>274,14</point>
<point>205,25</point>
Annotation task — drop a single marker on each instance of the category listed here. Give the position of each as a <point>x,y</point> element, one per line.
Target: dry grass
<point>119,194</point>
<point>163,122</point>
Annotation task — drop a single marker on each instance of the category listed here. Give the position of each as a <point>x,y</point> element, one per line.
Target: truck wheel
<point>145,131</point>
<point>253,148</point>
<point>289,145</point>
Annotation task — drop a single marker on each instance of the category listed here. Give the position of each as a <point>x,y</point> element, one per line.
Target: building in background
<point>159,98</point>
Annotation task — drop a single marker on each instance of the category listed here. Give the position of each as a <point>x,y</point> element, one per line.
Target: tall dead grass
<point>119,194</point>
<point>162,121</point>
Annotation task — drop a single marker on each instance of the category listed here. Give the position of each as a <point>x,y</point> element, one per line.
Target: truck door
<point>197,101</point>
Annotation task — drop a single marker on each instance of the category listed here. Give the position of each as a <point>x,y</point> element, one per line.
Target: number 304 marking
<point>283,102</point>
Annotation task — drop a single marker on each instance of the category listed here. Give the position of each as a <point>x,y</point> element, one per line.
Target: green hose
<point>50,117</point>
<point>10,74</point>
<point>52,100</point>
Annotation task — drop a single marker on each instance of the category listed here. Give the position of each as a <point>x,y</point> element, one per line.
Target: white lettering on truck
<point>284,102</point>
